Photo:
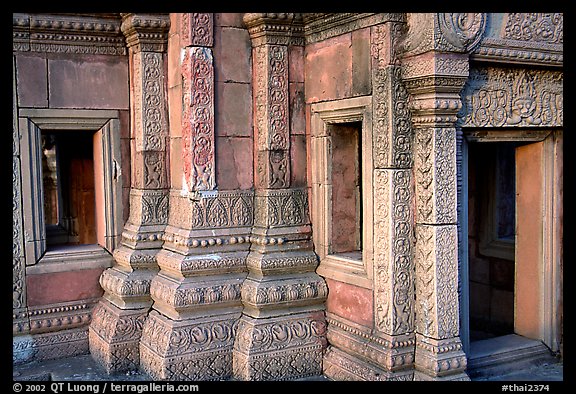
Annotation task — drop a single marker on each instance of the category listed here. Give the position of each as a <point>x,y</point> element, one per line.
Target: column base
<point>279,348</point>
<point>439,359</point>
<point>191,349</point>
<point>341,366</point>
<point>114,336</point>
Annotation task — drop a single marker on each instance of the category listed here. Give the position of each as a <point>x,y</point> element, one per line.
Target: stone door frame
<point>32,122</point>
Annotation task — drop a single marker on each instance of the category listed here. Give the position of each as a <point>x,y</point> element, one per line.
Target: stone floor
<point>83,368</point>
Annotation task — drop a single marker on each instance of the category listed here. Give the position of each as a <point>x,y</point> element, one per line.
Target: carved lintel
<point>497,97</point>
<point>146,32</point>
<point>71,34</point>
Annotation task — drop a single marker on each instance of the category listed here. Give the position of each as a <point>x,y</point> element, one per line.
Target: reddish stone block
<point>32,81</point>
<point>234,169</point>
<point>328,69</point>
<point>233,107</point>
<point>175,110</point>
<point>232,48</point>
<point>54,287</point>
<point>297,111</point>
<point>350,302</point>
<point>361,74</point>
<point>94,83</point>
<point>176,162</point>
<point>298,160</point>
<point>296,64</point>
<point>174,72</point>
<point>231,19</point>
<point>125,161</point>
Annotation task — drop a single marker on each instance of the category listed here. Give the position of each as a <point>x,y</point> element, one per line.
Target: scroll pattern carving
<point>463,30</point>
<point>496,97</point>
<point>194,294</point>
<point>392,125</point>
<point>197,29</point>
<point>53,345</point>
<point>539,27</point>
<point>149,101</point>
<point>198,119</point>
<point>271,110</point>
<point>393,262</point>
<point>287,291</point>
<point>18,280</point>
<point>122,286</point>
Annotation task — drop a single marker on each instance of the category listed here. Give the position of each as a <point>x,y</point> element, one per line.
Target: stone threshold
<point>506,354</point>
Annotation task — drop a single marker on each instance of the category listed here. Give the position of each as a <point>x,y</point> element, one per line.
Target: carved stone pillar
<point>281,334</point>
<point>118,319</point>
<point>435,68</point>
<point>190,333</point>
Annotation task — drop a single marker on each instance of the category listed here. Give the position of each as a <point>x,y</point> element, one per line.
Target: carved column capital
<point>275,28</point>
<point>146,32</point>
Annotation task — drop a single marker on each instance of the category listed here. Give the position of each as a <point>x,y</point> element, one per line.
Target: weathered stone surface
<point>32,81</point>
<point>233,111</point>
<point>350,302</point>
<point>49,288</point>
<point>234,157</point>
<point>232,48</point>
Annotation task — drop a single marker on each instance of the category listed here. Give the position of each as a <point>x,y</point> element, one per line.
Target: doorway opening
<point>69,188</point>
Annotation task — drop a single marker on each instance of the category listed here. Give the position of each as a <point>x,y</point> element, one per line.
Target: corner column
<point>434,71</point>
<point>118,319</point>
<point>281,334</point>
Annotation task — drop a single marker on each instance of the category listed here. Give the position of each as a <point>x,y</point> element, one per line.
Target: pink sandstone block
<point>93,82</point>
<point>51,288</point>
<point>32,81</point>
<point>232,48</point>
<point>234,169</point>
<point>231,19</point>
<point>350,302</point>
<point>328,69</point>
<point>296,64</point>
<point>298,160</point>
<point>233,107</point>
<point>297,111</point>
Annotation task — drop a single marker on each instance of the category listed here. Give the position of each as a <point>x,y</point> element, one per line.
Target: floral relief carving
<point>539,27</point>
<point>497,97</point>
<point>198,119</point>
<point>281,208</point>
<point>114,328</point>
<point>463,30</point>
<point>393,251</point>
<point>154,208</point>
<point>153,107</point>
<point>197,29</point>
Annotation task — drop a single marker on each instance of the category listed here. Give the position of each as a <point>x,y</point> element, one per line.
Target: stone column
<point>118,319</point>
<point>281,334</point>
<point>435,68</point>
<point>190,333</point>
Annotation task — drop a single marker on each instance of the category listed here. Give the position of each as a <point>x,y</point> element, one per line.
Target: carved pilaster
<point>281,334</point>
<point>434,68</point>
<point>198,154</point>
<point>117,324</point>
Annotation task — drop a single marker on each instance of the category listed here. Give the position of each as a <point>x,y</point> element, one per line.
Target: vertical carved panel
<point>393,262</point>
<point>272,117</point>
<point>391,115</point>
<point>196,29</point>
<point>198,119</point>
<point>435,175</point>
<point>437,281</point>
<point>149,101</point>
<point>18,279</point>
